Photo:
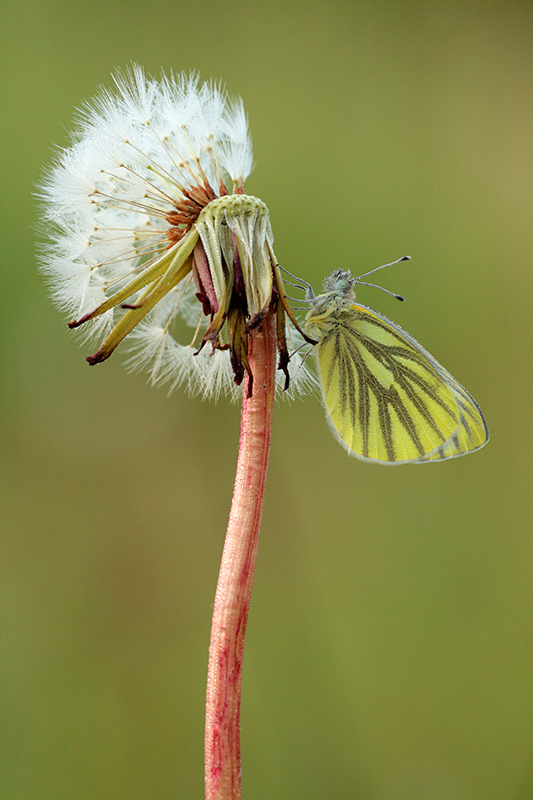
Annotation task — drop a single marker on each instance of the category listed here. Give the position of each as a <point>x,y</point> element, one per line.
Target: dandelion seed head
<point>145,213</point>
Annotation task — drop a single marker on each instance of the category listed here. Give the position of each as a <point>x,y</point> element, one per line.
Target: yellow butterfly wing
<point>387,399</point>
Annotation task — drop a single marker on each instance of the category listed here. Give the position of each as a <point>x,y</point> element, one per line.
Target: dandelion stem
<point>234,589</point>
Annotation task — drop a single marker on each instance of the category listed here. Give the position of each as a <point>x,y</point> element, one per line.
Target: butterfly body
<point>387,399</point>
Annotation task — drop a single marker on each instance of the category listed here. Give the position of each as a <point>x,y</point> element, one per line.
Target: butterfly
<point>387,400</point>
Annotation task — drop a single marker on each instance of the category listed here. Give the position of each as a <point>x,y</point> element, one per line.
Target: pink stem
<point>234,589</point>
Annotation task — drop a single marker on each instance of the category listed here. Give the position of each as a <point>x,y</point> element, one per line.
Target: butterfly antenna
<point>403,258</point>
<point>375,286</point>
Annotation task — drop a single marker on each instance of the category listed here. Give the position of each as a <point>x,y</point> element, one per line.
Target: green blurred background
<point>390,642</point>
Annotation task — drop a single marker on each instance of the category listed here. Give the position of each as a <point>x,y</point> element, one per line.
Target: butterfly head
<point>337,291</point>
<point>340,284</point>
